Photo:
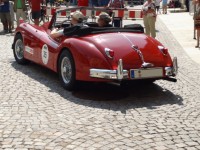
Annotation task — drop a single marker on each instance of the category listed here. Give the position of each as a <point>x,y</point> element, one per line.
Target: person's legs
<point>4,22</point>
<point>18,16</point>
<point>74,2</point>
<point>12,15</point>
<point>20,13</point>
<point>23,14</point>
<point>96,3</point>
<point>36,16</point>
<point>157,9</point>
<point>117,22</point>
<point>36,22</point>
<point>1,15</point>
<point>198,35</point>
<point>152,21</point>
<point>164,9</point>
<point>146,25</point>
<point>9,22</point>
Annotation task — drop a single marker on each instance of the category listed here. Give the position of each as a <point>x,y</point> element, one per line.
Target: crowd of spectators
<point>11,8</point>
<point>8,7</point>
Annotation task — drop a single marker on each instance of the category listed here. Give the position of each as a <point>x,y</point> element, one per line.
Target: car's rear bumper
<point>120,73</point>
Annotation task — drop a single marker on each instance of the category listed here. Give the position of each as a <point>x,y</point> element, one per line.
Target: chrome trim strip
<point>107,74</point>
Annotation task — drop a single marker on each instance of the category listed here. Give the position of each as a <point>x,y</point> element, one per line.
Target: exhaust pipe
<point>171,79</point>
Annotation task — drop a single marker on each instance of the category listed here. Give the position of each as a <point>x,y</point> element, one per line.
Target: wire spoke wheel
<point>19,49</point>
<point>66,70</point>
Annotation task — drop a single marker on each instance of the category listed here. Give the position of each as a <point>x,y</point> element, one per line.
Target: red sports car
<point>93,53</point>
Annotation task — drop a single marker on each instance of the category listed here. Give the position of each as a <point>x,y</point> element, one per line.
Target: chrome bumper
<point>172,71</point>
<point>118,74</point>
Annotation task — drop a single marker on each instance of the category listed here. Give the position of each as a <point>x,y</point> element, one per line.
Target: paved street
<point>37,113</point>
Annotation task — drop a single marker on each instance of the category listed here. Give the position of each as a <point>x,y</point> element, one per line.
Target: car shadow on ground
<point>104,95</point>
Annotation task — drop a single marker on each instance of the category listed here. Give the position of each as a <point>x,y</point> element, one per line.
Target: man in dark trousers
<point>187,5</point>
<point>5,16</point>
<point>36,10</point>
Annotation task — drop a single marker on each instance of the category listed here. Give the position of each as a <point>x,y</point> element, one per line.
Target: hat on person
<point>77,15</point>
<point>105,16</point>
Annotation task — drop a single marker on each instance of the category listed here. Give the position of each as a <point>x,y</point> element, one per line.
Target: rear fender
<point>166,59</point>
<point>86,56</point>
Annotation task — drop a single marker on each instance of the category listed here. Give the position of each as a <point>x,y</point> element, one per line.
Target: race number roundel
<point>45,54</point>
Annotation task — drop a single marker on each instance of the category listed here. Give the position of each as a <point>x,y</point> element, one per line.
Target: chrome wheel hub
<point>66,70</point>
<point>19,49</point>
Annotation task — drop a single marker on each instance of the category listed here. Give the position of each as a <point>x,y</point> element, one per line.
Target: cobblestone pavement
<point>37,113</point>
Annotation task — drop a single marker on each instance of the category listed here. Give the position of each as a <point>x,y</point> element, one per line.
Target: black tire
<point>66,70</point>
<point>18,50</point>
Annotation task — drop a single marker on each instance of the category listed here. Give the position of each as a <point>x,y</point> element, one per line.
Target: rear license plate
<point>146,73</point>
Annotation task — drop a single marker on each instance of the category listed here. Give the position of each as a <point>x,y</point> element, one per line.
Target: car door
<point>47,50</point>
<point>31,42</point>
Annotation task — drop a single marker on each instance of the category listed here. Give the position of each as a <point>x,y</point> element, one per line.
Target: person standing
<point>67,3</point>
<point>52,3</point>
<point>1,15</point>
<point>196,18</point>
<point>5,16</point>
<point>164,6</point>
<point>46,2</point>
<point>157,3</point>
<point>20,9</point>
<point>117,21</point>
<point>12,14</point>
<point>36,10</point>
<point>1,4</point>
<point>94,3</point>
<point>149,18</point>
<point>187,4</point>
<point>74,2</point>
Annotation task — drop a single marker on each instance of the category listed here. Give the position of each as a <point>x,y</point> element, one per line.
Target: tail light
<point>110,53</point>
<point>163,50</point>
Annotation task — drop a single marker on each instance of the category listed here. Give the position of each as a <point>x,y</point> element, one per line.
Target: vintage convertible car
<point>93,53</point>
